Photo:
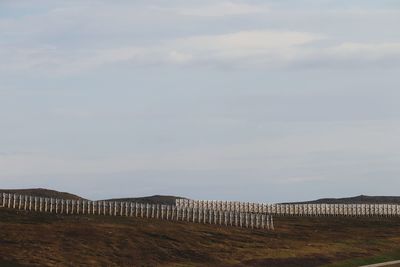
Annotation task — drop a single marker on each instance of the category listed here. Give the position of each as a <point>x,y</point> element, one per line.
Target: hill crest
<point>155,199</point>
<point>42,192</point>
<point>355,200</point>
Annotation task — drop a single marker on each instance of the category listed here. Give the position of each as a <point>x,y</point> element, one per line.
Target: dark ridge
<point>41,192</point>
<point>355,200</point>
<point>156,199</point>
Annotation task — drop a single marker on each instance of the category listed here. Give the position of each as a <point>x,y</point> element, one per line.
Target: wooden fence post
<point>272,223</point>
<point>67,207</point>
<point>142,210</point>
<point>62,206</point>
<point>262,221</point>
<point>147,210</point>
<point>178,211</point>
<point>40,204</point>
<point>193,214</point>
<point>152,211</point>
<point>51,205</point>
<point>188,214</point>
<point>130,209</point>
<point>183,213</point>
<point>57,202</point>
<point>84,207</point>
<point>9,201</point>
<point>212,216</point>
<point>73,206</point>
<point>79,206</point>
<point>19,202</point>
<point>236,216</point>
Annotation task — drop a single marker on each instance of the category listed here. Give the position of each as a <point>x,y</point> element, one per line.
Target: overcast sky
<point>273,100</point>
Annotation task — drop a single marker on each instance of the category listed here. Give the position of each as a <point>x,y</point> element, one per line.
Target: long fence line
<point>139,210</point>
<point>384,210</point>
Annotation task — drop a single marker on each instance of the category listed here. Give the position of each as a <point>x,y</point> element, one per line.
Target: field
<point>32,239</point>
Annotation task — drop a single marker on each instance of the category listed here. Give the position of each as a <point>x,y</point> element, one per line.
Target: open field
<point>29,239</point>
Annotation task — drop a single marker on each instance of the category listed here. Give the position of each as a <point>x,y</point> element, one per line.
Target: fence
<point>387,210</point>
<point>139,210</point>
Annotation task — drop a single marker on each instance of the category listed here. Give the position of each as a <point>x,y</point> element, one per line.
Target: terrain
<point>362,199</point>
<point>41,192</point>
<point>170,200</point>
<point>34,239</point>
<point>156,199</point>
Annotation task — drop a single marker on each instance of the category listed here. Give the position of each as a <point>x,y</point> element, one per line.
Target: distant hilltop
<point>170,200</point>
<point>41,192</point>
<point>156,199</point>
<point>355,200</point>
<point>47,193</point>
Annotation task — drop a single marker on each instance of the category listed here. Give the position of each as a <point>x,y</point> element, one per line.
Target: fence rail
<point>139,210</point>
<point>387,210</point>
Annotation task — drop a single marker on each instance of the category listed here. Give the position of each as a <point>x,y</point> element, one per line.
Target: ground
<point>32,239</point>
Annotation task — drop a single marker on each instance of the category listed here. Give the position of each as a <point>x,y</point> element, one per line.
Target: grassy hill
<point>41,192</point>
<point>358,199</point>
<point>33,239</point>
<point>156,199</point>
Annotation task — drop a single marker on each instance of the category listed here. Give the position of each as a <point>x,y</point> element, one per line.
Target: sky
<point>267,101</point>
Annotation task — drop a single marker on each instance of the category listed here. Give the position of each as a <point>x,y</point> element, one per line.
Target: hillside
<point>33,239</point>
<point>354,200</point>
<point>41,192</point>
<point>156,199</point>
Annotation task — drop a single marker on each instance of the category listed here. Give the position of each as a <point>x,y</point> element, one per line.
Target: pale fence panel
<point>223,213</point>
<point>361,209</point>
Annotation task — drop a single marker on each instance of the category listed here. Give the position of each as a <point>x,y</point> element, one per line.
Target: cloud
<point>244,47</point>
<point>222,9</point>
<point>61,38</point>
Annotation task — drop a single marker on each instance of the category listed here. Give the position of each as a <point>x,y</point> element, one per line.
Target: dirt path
<point>385,264</point>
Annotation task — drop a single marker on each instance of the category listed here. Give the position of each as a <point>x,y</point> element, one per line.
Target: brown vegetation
<point>51,240</point>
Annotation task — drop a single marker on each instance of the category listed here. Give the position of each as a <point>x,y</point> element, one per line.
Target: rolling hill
<point>156,199</point>
<point>355,200</point>
<point>37,239</point>
<point>41,192</point>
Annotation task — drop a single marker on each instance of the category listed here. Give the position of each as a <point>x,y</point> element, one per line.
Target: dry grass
<point>49,240</point>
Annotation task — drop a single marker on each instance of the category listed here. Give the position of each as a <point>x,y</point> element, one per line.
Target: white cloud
<point>222,9</point>
<point>244,43</point>
<point>72,38</point>
<point>245,47</point>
